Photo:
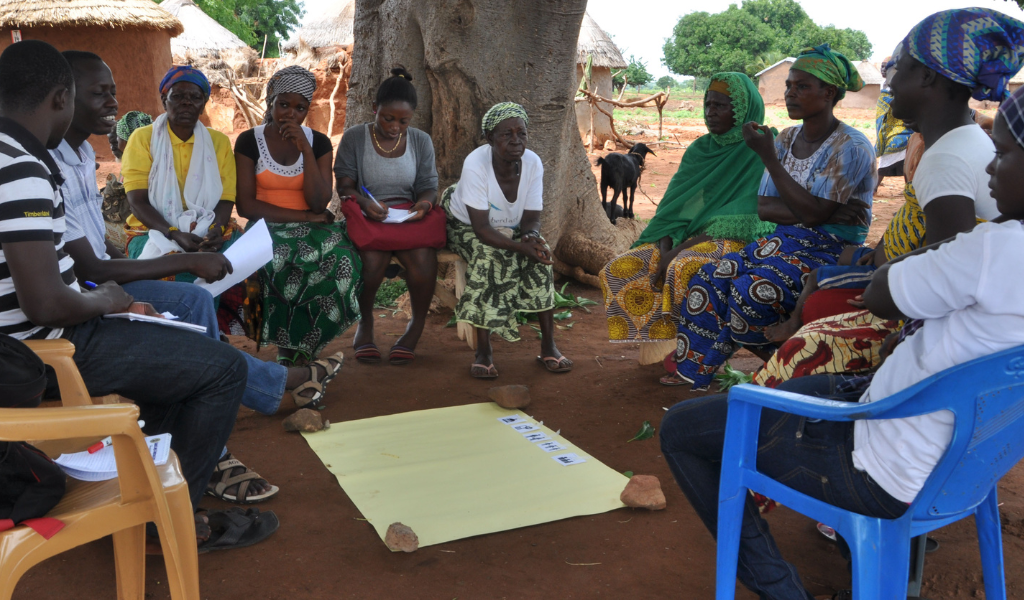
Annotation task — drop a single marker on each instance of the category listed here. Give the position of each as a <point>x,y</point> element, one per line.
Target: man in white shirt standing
<point>960,308</point>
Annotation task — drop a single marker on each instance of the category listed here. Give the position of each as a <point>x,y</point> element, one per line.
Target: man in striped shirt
<point>184,384</point>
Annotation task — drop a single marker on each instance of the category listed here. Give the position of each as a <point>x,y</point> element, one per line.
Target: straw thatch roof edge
<point>594,41</point>
<point>203,34</point>
<point>115,14</point>
<point>335,26</point>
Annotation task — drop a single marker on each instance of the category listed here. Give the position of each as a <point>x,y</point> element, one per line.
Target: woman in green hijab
<point>708,211</point>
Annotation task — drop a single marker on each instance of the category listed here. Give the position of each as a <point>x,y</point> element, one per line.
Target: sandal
<point>673,380</point>
<point>483,371</point>
<point>318,385</point>
<point>400,355</point>
<point>237,528</point>
<point>556,365</point>
<point>226,467</point>
<point>368,353</point>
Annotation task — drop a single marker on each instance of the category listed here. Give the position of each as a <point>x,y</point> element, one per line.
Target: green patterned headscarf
<point>831,67</point>
<point>501,111</point>
<point>714,191</point>
<point>132,121</point>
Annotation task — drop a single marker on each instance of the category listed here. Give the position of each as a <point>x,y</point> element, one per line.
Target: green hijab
<point>714,192</point>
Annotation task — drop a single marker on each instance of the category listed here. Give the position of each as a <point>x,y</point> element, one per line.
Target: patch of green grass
<point>651,114</point>
<point>389,291</point>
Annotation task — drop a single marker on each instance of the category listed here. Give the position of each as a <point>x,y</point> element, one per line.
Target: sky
<point>641,28</point>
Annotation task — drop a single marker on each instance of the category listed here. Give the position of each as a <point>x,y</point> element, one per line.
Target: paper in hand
<point>398,215</point>
<point>247,254</point>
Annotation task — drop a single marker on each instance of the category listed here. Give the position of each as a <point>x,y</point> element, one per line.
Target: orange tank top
<point>277,184</point>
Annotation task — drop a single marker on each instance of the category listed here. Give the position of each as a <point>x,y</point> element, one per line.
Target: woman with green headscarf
<point>708,211</point>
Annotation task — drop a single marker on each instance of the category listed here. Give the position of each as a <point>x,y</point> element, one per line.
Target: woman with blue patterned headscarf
<point>494,225</point>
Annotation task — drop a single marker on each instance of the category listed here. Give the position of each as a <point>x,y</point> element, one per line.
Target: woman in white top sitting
<point>494,225</point>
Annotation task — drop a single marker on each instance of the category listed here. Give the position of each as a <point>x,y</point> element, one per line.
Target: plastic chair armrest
<point>805,406</point>
<point>59,355</point>
<point>69,422</point>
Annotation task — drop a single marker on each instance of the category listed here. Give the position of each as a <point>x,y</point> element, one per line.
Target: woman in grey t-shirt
<point>383,169</point>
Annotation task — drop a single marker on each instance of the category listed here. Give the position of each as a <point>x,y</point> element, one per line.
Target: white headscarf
<point>203,188</point>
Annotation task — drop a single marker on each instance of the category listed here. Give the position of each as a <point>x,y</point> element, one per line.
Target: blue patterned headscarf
<point>976,47</point>
<point>185,73</point>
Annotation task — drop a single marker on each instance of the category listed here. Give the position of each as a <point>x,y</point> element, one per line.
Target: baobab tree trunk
<point>467,55</point>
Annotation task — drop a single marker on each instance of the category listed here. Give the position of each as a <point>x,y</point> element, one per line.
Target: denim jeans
<point>184,384</point>
<point>812,457</point>
<point>266,382</point>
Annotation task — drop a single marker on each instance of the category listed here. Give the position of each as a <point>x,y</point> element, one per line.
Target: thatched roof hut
<point>132,36</point>
<point>334,26</point>
<point>203,35</point>
<point>593,41</point>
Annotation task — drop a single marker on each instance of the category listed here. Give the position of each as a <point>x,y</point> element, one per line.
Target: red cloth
<point>44,526</point>
<point>828,303</point>
<point>428,232</point>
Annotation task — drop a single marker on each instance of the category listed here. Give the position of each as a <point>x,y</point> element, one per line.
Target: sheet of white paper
<point>511,419</point>
<point>101,465</point>
<point>250,252</point>
<point>536,436</point>
<point>569,459</point>
<point>168,320</point>
<point>398,215</point>
<point>550,446</point>
<point>525,427</point>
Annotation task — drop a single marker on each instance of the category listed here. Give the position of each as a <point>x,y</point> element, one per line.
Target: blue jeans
<point>812,457</point>
<point>266,382</point>
<point>184,384</point>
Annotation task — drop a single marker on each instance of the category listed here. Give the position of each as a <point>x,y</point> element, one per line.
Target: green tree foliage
<point>666,82</point>
<point>753,36</point>
<point>251,20</point>
<point>635,74</point>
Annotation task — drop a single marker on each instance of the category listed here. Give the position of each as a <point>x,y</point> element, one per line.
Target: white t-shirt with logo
<point>955,166</point>
<point>478,188</point>
<point>966,290</point>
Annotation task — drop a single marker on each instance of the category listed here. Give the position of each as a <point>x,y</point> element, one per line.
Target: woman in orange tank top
<point>308,292</point>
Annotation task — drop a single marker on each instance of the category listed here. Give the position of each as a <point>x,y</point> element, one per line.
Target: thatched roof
<point>593,40</point>
<point>202,35</point>
<point>869,73</point>
<point>334,26</point>
<point>122,14</point>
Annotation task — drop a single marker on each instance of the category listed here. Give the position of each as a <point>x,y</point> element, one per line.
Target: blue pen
<point>89,285</point>
<point>370,196</point>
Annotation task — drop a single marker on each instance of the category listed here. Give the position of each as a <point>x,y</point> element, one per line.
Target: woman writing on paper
<point>382,167</point>
<point>308,293</point>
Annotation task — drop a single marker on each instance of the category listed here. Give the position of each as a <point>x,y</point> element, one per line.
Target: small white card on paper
<point>509,420</point>
<point>536,436</point>
<point>569,459</point>
<point>524,427</point>
<point>550,446</point>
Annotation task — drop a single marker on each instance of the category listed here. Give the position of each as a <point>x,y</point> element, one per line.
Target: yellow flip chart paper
<point>457,472</point>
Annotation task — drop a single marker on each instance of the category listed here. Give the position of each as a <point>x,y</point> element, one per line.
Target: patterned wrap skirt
<point>499,283</point>
<point>845,343</point>
<point>639,313</point>
<point>308,294</point>
<point>730,303</point>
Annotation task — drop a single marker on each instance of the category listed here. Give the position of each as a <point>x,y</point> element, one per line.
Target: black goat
<point>621,171</point>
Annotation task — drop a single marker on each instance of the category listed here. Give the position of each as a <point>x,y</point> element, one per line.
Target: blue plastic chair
<point>987,397</point>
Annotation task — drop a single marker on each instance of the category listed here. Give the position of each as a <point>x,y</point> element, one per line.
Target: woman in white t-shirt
<point>494,225</point>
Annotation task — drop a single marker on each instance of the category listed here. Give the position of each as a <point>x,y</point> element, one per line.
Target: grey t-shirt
<point>357,160</point>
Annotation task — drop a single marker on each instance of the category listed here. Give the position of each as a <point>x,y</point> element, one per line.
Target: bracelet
<point>531,233</point>
<point>429,204</point>
<point>172,229</point>
<point>222,228</point>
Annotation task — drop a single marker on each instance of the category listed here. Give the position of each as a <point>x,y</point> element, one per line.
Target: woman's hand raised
<point>293,133</point>
<point>760,139</point>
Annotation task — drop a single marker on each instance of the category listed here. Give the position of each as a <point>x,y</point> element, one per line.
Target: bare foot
<point>783,331</point>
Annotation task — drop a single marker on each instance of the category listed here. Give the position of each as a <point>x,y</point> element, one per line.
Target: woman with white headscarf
<point>308,293</point>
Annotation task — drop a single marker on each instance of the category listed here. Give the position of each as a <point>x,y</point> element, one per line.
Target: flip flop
<point>368,353</point>
<point>489,371</point>
<point>673,380</point>
<point>400,355</point>
<point>238,528</point>
<point>556,365</point>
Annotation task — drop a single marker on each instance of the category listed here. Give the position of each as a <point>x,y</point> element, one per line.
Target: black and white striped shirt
<point>31,210</point>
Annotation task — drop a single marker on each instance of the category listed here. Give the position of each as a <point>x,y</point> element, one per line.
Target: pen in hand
<point>370,196</point>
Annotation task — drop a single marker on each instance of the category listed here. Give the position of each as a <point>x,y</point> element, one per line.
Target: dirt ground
<point>324,551</point>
